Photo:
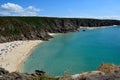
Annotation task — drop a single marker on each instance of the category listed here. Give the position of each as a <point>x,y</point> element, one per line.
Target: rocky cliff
<point>32,28</point>
<point>105,72</point>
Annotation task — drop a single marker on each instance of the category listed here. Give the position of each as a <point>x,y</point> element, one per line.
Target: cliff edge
<point>37,28</point>
<point>105,72</point>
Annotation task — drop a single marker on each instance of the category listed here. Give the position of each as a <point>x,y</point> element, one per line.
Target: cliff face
<point>30,28</point>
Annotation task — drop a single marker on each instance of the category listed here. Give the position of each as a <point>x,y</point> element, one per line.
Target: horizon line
<point>81,17</point>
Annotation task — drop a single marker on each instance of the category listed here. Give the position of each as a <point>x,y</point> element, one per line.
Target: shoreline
<point>30,52</point>
<point>13,60</point>
<point>19,67</point>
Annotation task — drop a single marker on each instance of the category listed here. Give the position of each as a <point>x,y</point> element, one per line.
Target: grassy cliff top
<point>14,27</point>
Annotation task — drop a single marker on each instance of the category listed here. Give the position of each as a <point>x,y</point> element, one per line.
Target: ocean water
<point>76,52</point>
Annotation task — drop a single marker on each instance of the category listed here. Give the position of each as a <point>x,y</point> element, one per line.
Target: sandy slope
<point>12,54</point>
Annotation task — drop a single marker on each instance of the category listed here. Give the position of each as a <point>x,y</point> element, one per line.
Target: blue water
<point>76,52</point>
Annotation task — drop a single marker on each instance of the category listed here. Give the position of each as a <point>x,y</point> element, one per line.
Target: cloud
<point>95,17</point>
<point>103,17</point>
<point>11,9</point>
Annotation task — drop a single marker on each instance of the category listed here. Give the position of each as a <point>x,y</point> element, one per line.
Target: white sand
<point>12,54</point>
<point>53,34</point>
<point>90,28</point>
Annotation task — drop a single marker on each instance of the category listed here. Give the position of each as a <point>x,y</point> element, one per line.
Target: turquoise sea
<point>76,52</point>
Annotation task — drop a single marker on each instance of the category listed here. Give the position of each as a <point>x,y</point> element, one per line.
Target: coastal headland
<point>37,28</point>
<point>20,35</point>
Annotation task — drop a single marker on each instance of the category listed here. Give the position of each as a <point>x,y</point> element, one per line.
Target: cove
<point>76,52</point>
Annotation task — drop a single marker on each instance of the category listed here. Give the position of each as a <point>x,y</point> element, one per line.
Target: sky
<point>61,8</point>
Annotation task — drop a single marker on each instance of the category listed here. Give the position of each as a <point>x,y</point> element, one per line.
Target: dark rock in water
<point>84,30</point>
<point>38,72</point>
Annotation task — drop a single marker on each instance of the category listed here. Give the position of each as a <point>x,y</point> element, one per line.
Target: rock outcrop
<point>5,75</point>
<point>103,74</point>
<point>109,68</point>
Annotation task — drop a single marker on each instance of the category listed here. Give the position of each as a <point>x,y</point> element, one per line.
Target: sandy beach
<point>12,54</point>
<point>90,28</point>
<point>53,34</point>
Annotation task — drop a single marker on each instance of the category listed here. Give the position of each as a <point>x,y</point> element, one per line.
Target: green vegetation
<point>29,28</point>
